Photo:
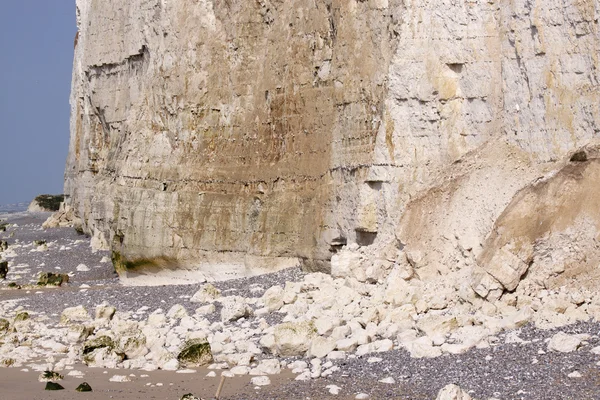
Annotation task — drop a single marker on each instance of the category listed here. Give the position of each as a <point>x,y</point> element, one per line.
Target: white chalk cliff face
<point>237,137</point>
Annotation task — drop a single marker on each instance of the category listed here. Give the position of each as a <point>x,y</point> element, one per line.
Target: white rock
<point>292,339</point>
<point>82,268</point>
<point>273,298</point>
<point>177,312</point>
<point>575,374</point>
<point>74,314</point>
<point>240,370</point>
<point>333,389</point>
<point>361,396</point>
<point>267,367</point>
<point>206,294</point>
<point>305,376</point>
<point>260,381</point>
<point>211,374</point>
<point>171,365</point>
<point>234,308</point>
<point>336,355</point>
<point>564,343</point>
<point>206,310</point>
<point>452,392</point>
<point>76,374</point>
<point>422,348</point>
<point>120,378</point>
<point>347,263</point>
<point>347,345</point>
<point>105,312</point>
<point>321,346</point>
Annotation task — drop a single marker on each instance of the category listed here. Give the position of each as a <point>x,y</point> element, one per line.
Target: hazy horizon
<point>36,43</point>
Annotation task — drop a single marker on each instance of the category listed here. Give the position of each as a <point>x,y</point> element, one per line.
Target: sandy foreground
<point>518,365</point>
<point>16,384</point>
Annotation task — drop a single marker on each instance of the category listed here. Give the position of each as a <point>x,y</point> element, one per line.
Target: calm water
<point>13,208</point>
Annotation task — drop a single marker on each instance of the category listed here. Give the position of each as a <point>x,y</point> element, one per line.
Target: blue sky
<point>36,57</point>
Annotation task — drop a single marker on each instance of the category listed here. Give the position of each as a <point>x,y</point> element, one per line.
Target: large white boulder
<point>234,308</point>
<point>74,314</point>
<point>293,338</point>
<point>206,294</point>
<point>565,343</point>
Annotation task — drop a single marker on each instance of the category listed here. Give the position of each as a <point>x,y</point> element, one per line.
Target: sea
<point>13,208</point>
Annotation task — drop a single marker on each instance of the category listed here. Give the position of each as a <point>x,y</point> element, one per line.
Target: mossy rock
<point>52,279</point>
<point>39,242</point>
<point>22,316</point>
<point>98,343</point>
<point>195,353</point>
<point>8,362</point>
<point>3,245</point>
<point>50,202</point>
<point>4,325</point>
<point>84,387</point>
<point>3,269</point>
<point>14,285</point>
<point>3,227</point>
<point>48,376</point>
<point>53,386</point>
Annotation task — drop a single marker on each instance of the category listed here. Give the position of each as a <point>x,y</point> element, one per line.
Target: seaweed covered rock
<point>3,245</point>
<point>22,316</point>
<point>98,343</point>
<point>4,325</point>
<point>189,396</point>
<point>49,376</point>
<point>101,352</point>
<point>52,279</point>
<point>3,269</point>
<point>195,353</point>
<point>84,387</point>
<point>53,386</point>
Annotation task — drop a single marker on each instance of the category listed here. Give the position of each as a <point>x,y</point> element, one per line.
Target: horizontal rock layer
<point>256,135</point>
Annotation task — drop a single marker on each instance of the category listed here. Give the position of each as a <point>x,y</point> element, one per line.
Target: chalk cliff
<point>235,137</point>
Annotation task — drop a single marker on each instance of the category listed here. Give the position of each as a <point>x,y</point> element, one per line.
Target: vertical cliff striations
<point>228,136</point>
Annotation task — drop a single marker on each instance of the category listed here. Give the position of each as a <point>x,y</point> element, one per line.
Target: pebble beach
<point>241,322</point>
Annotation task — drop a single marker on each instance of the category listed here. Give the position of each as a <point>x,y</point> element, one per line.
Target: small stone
<point>361,396</point>
<point>389,380</point>
<point>333,389</point>
<point>84,387</point>
<point>53,386</point>
<point>260,381</point>
<point>82,268</point>
<point>575,374</point>
<point>120,378</point>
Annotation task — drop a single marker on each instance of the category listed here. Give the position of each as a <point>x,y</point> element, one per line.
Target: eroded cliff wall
<point>229,135</point>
